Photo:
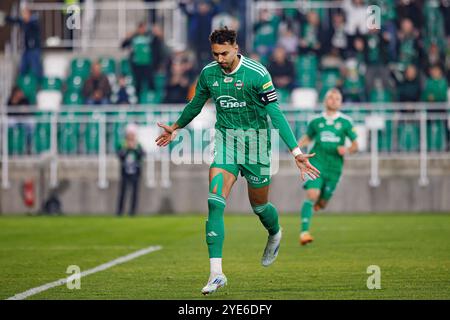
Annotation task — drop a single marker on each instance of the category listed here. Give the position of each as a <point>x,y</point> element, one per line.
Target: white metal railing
<point>120,17</point>
<point>368,117</point>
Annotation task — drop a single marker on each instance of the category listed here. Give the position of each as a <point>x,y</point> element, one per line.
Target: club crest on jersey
<point>338,126</point>
<point>239,84</point>
<point>228,79</point>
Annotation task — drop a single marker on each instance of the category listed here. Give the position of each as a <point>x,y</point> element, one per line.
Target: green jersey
<point>328,133</point>
<point>243,99</point>
<point>142,54</point>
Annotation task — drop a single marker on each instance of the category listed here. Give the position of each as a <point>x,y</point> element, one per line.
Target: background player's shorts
<point>326,183</point>
<point>249,156</point>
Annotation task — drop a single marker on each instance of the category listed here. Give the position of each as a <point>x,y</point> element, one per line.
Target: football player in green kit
<point>328,133</point>
<point>244,96</point>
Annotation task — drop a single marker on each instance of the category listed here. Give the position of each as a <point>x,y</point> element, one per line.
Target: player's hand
<point>167,136</point>
<point>302,162</point>
<point>342,150</point>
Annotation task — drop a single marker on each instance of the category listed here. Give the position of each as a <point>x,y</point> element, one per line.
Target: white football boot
<point>271,250</point>
<point>214,283</point>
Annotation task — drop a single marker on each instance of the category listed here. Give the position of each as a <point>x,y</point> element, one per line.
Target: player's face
<point>224,54</point>
<point>333,101</point>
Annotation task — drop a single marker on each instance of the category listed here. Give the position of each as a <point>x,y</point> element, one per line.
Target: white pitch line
<point>60,282</point>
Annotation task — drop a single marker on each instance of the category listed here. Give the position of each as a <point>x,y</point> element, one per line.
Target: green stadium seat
<point>80,67</point>
<point>68,133</point>
<point>408,136</point>
<point>125,67</point>
<point>329,78</point>
<point>92,134</point>
<point>72,98</point>
<point>160,81</point>
<point>51,83</point>
<point>115,130</point>
<point>436,135</point>
<point>382,95</point>
<point>75,83</point>
<point>29,85</point>
<point>150,96</point>
<point>16,140</point>
<point>108,65</point>
<point>41,138</point>
<point>306,67</point>
<point>284,95</point>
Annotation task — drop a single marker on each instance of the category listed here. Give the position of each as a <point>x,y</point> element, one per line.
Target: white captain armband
<point>268,97</point>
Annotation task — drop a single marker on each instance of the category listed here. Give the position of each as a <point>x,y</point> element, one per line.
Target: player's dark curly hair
<point>223,35</point>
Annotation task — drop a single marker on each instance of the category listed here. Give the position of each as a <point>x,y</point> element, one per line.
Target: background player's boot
<point>214,283</point>
<point>305,238</point>
<point>271,250</point>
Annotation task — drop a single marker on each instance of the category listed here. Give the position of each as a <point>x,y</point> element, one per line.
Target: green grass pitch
<point>412,251</point>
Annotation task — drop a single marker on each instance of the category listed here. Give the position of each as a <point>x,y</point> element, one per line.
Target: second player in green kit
<point>328,132</point>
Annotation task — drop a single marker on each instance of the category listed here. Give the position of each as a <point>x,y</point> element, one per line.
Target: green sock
<point>306,214</point>
<point>268,215</point>
<point>215,229</point>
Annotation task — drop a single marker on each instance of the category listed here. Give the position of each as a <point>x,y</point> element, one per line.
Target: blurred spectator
<point>96,89</point>
<point>130,156</point>
<point>122,95</point>
<point>356,17</point>
<point>388,25</point>
<point>433,57</point>
<point>377,59</point>
<point>436,86</point>
<point>266,34</point>
<point>445,8</point>
<point>281,69</point>
<point>447,59</point>
<point>353,87</point>
<point>177,86</point>
<point>332,60</point>
<point>434,28</point>
<point>200,15</point>
<point>409,89</point>
<point>31,57</point>
<point>289,42</point>
<point>410,9</point>
<point>337,38</point>
<point>408,49</point>
<point>144,56</point>
<point>311,35</point>
<point>22,119</point>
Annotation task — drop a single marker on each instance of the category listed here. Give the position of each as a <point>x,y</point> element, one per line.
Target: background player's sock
<point>215,230</point>
<point>268,215</point>
<point>306,214</point>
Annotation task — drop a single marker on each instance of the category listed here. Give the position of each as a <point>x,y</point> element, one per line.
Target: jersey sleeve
<point>193,108</point>
<point>311,130</point>
<point>351,131</point>
<point>268,97</point>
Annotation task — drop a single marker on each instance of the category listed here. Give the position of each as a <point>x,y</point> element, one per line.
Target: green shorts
<point>326,183</point>
<point>250,157</point>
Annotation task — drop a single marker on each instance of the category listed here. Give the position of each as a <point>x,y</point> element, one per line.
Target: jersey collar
<point>332,118</point>
<point>237,67</point>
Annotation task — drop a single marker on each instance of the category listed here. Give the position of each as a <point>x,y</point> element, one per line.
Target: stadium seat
<point>408,136</point>
<point>80,67</point>
<point>74,83</point>
<point>150,96</point>
<point>304,98</point>
<point>306,71</point>
<point>41,136</point>
<point>16,140</point>
<point>51,83</point>
<point>284,96</point>
<point>381,95</point>
<point>91,134</point>
<point>49,100</point>
<point>108,65</point>
<point>72,98</point>
<point>329,78</point>
<point>125,67</point>
<point>436,135</point>
<point>160,81</point>
<point>29,85</point>
<point>55,65</point>
<point>68,133</point>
